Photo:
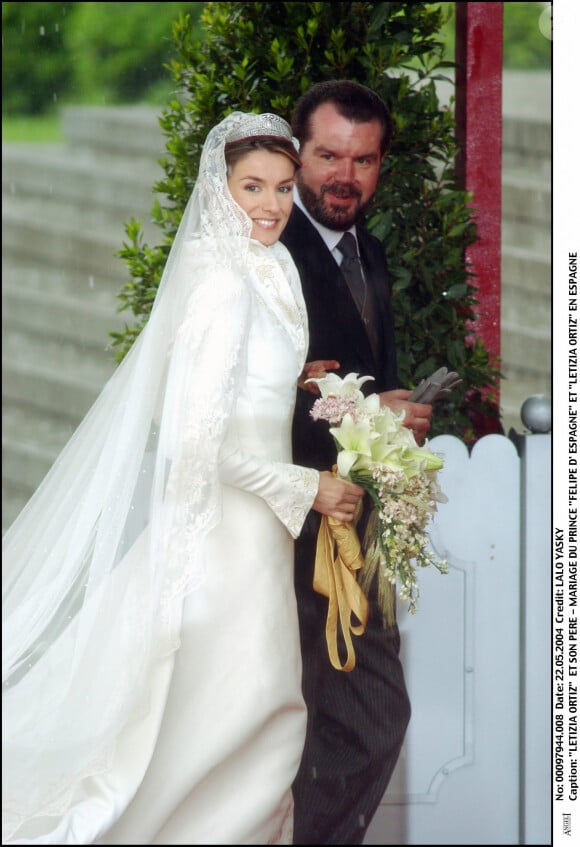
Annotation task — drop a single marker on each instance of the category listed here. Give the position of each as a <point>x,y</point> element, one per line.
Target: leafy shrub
<point>36,69</point>
<point>120,49</point>
<point>58,53</point>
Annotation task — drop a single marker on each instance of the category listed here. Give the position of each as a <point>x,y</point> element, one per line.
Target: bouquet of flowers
<point>376,451</point>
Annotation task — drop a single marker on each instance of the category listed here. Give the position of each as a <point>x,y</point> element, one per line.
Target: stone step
<point>51,234</point>
<point>54,377</point>
<point>530,133</point>
<point>111,190</point>
<point>128,133</point>
<point>528,234</point>
<point>525,197</point>
<point>526,290</point>
<point>57,316</point>
<point>30,444</point>
<point>47,394</point>
<point>98,292</point>
<point>527,143</point>
<point>526,269</point>
<point>522,345</point>
<point>24,433</point>
<point>524,311</point>
<point>15,496</point>
<point>91,360</point>
<point>526,214</point>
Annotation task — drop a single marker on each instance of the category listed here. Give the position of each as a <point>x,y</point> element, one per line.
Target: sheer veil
<point>97,564</point>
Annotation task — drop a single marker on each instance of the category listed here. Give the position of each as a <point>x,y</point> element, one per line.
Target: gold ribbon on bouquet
<point>338,557</point>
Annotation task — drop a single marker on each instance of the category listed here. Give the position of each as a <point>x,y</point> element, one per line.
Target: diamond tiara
<point>260,126</point>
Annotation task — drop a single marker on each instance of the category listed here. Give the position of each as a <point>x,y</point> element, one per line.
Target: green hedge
<point>105,53</point>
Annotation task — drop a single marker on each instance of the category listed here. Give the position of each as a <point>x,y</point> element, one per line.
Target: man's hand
<point>417,415</point>
<point>316,370</point>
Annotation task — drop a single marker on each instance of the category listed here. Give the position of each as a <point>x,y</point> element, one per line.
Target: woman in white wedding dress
<point>151,660</point>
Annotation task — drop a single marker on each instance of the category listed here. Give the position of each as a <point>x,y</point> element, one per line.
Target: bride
<point>151,660</point>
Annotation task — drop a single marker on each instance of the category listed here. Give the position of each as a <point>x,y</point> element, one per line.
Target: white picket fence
<point>476,763</point>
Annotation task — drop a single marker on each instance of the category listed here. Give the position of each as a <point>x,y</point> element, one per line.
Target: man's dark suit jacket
<point>336,332</point>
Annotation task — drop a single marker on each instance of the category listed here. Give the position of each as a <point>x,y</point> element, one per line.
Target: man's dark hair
<point>353,101</point>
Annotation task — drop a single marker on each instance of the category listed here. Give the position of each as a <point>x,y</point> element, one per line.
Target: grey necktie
<point>350,267</point>
<point>363,296</point>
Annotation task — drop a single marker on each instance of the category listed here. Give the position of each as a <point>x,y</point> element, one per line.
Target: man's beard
<point>322,210</point>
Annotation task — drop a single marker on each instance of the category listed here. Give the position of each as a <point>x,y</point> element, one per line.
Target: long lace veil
<point>96,566</point>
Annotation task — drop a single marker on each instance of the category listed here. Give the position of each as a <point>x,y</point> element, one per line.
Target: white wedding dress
<point>212,755</point>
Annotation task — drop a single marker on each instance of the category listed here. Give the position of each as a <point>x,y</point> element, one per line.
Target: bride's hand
<point>337,498</point>
<point>316,370</point>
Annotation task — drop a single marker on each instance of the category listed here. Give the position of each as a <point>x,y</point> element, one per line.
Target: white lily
<point>337,386</point>
<point>386,453</point>
<point>370,407</point>
<point>355,438</point>
<point>390,423</point>
<point>420,459</point>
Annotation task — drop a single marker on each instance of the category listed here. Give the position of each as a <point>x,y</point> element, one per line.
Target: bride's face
<point>261,183</point>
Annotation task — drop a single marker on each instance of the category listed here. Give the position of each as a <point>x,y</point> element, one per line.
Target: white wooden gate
<point>476,764</point>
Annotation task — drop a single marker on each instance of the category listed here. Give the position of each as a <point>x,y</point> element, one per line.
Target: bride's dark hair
<point>236,150</point>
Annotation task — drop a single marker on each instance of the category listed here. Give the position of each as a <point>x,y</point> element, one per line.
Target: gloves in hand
<point>438,385</point>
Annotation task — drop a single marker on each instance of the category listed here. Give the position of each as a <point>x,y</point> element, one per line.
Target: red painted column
<point>479,54</point>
